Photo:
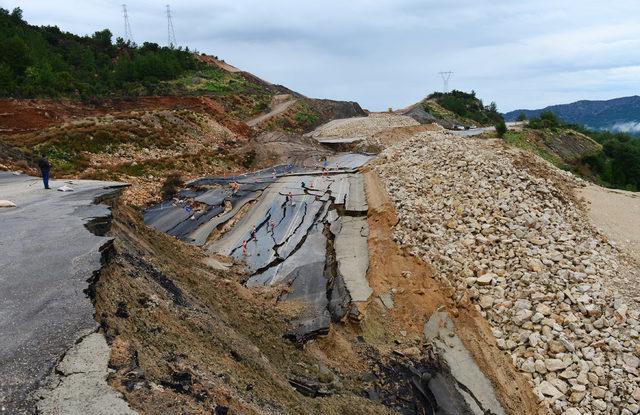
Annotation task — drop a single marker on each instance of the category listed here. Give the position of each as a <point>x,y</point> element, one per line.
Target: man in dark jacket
<point>45,168</point>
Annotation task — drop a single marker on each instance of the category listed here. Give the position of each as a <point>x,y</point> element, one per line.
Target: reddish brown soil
<point>24,115</point>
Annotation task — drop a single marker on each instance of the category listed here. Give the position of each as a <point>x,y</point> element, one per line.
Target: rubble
<point>361,127</point>
<point>524,253</point>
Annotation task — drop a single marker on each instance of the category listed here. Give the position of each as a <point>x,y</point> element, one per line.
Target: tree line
<point>47,62</point>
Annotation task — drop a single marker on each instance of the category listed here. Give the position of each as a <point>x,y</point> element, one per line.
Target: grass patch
<point>519,139</point>
<point>215,81</point>
<point>299,118</point>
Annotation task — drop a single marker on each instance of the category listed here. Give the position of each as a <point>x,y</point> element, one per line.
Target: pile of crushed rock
<point>524,253</point>
<point>361,127</point>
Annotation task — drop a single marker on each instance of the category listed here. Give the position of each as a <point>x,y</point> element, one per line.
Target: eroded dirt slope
<point>189,339</point>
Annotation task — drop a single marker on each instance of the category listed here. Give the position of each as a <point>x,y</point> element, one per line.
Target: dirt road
<point>280,104</point>
<point>617,214</point>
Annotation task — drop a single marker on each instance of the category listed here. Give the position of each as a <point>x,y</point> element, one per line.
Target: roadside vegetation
<point>618,164</point>
<point>465,105</point>
<point>614,162</point>
<point>525,141</point>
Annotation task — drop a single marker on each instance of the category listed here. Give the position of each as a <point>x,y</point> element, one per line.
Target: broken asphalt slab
<point>352,255</point>
<point>79,384</point>
<point>48,256</point>
<point>471,383</point>
<point>281,238</point>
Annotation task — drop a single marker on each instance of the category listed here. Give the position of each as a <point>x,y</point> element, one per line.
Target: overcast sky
<point>387,53</point>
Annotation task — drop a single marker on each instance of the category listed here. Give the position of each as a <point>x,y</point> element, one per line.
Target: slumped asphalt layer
<point>285,237</point>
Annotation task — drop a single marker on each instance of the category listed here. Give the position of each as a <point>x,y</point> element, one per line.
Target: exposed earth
<point>276,254</point>
<point>615,212</point>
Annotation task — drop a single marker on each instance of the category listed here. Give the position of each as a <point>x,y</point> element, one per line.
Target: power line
<point>446,75</point>
<point>127,27</point>
<point>171,34</point>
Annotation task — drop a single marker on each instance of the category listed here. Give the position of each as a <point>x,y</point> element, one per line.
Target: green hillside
<point>465,106</point>
<point>611,159</point>
<point>47,62</point>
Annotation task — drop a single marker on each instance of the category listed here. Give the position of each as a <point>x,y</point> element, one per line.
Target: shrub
<point>501,128</point>
<point>547,119</point>
<point>249,158</point>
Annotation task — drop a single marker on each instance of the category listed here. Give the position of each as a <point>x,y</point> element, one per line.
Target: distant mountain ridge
<point>619,114</point>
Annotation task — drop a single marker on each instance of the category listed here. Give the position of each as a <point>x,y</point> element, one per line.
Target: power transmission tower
<point>446,75</point>
<point>171,34</point>
<point>127,27</point>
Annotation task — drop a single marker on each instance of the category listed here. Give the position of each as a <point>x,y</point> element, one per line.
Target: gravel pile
<point>361,127</point>
<point>524,254</point>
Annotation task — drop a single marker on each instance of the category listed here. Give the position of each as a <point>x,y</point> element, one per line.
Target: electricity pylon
<point>127,27</point>
<point>171,34</point>
<point>446,75</point>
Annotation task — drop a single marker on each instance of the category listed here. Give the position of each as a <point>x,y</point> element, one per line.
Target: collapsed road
<point>302,221</point>
<point>306,228</point>
<point>52,244</point>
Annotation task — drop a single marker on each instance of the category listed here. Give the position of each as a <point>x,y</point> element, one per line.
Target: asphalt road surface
<point>47,256</point>
<point>282,237</point>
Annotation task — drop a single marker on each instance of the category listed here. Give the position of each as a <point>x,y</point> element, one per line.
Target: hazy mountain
<point>619,114</point>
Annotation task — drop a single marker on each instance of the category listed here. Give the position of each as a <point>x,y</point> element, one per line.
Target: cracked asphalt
<point>285,237</point>
<point>47,257</point>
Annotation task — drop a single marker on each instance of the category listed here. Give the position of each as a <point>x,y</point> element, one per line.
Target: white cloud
<point>627,127</point>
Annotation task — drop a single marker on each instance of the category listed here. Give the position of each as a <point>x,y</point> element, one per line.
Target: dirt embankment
<point>418,294</point>
<point>190,339</point>
<point>137,140</point>
<point>25,115</point>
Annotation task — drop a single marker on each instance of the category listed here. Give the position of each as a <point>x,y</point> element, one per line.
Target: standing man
<point>45,168</point>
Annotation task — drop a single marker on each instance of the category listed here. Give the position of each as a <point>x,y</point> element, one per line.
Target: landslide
<point>187,338</point>
<point>276,148</point>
